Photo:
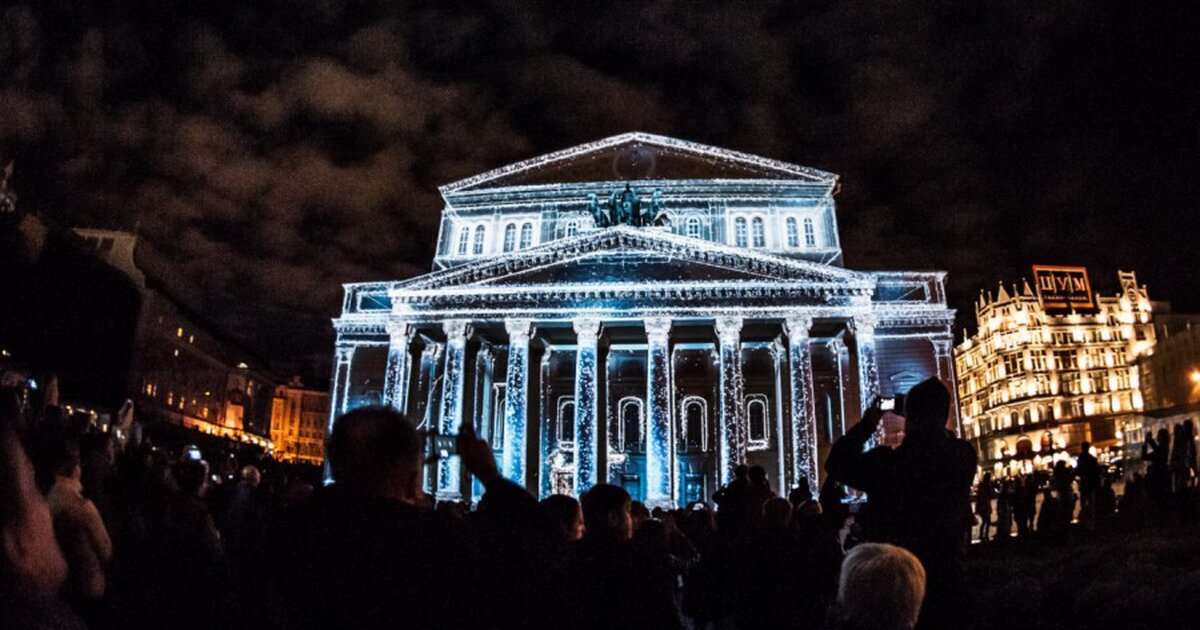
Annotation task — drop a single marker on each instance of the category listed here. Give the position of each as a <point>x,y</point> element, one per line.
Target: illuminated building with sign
<point>642,311</point>
<point>1040,376</point>
<point>298,418</point>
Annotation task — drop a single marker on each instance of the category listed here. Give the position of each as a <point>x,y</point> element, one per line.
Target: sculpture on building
<point>624,207</point>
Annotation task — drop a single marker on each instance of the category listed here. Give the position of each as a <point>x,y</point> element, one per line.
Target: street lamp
<point>1195,376</point>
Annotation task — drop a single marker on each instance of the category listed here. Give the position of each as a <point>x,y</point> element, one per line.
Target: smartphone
<point>887,404</point>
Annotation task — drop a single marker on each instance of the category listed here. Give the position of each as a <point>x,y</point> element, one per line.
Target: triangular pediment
<point>629,256</point>
<point>638,156</point>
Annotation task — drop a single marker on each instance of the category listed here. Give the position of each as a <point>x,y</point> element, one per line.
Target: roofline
<point>803,172</point>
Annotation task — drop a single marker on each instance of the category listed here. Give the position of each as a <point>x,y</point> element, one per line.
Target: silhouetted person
<point>1155,451</point>
<point>1050,519</point>
<point>566,514</point>
<point>368,554</point>
<point>1061,478</point>
<point>1025,505</point>
<point>801,494</point>
<point>1004,510</point>
<point>1087,473</point>
<point>608,584</point>
<point>881,588</point>
<point>1183,456</point>
<point>983,506</point>
<point>918,492</point>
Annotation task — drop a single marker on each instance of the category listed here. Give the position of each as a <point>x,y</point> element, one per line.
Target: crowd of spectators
<point>105,534</point>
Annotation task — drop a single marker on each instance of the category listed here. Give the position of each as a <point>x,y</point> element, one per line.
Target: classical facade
<point>641,311</point>
<point>1037,379</point>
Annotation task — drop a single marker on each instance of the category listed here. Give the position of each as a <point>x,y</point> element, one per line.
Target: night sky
<point>270,151</point>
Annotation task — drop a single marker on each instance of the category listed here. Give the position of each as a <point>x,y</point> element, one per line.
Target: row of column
<point>731,427</point>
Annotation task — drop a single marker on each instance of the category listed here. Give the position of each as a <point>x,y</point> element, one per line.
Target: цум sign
<point>1063,288</point>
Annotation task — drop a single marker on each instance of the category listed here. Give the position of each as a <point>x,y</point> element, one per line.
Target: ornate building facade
<point>1036,380</point>
<point>641,311</point>
<point>298,417</point>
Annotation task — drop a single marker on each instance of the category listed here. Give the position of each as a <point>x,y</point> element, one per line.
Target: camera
<point>894,405</point>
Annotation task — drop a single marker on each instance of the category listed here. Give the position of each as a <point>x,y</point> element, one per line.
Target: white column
<point>944,359</point>
<point>868,367</point>
<point>453,382</point>
<point>587,331</point>
<point>399,365</point>
<point>516,397</point>
<point>660,445</point>
<point>341,383</point>
<point>804,409</point>
<point>783,466</point>
<point>343,356</point>
<point>731,429</point>
<point>837,349</point>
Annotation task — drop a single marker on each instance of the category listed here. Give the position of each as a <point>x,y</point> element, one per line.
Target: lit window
<point>693,227</point>
<point>526,235</point>
<point>176,351</point>
<point>510,237</point>
<point>739,232</point>
<point>566,421</point>
<point>757,422</point>
<point>760,234</point>
<point>695,425</point>
<point>464,240</point>
<point>572,229</point>
<point>480,232</point>
<point>810,233</point>
<point>793,233</point>
<point>179,332</point>
<point>629,427</point>
<point>191,338</point>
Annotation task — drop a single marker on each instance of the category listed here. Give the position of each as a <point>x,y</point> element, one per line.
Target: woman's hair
<point>882,586</point>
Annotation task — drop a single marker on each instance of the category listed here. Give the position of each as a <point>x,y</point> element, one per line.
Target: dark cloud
<point>272,151</point>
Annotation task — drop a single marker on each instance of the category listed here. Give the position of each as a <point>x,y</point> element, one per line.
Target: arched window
<point>810,233</point>
<point>760,233</point>
<point>629,429</point>
<point>464,240</point>
<point>693,227</point>
<point>758,422</point>
<point>526,235</point>
<point>1026,416</point>
<point>572,229</point>
<point>1047,441</point>
<point>694,429</point>
<point>793,233</point>
<point>510,237</point>
<point>480,232</point>
<point>565,431</point>
<point>739,232</point>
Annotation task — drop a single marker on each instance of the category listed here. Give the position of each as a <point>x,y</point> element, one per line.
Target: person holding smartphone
<point>918,494</point>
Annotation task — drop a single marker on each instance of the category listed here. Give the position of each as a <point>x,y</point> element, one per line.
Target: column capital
<point>941,347</point>
<point>399,330</point>
<point>798,325</point>
<point>344,352</point>
<point>456,330</point>
<point>586,329</point>
<point>729,329</point>
<point>518,329</point>
<point>864,325</point>
<point>657,327</point>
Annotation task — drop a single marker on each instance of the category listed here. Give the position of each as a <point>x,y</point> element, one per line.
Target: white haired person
<point>881,588</point>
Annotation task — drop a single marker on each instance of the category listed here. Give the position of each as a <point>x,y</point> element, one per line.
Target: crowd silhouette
<point>103,534</point>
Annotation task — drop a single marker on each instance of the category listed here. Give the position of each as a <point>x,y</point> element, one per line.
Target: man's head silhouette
<point>926,408</point>
<point>376,451</point>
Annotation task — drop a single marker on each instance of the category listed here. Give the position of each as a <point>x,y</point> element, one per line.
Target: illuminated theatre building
<point>640,311</point>
<point>1049,369</point>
